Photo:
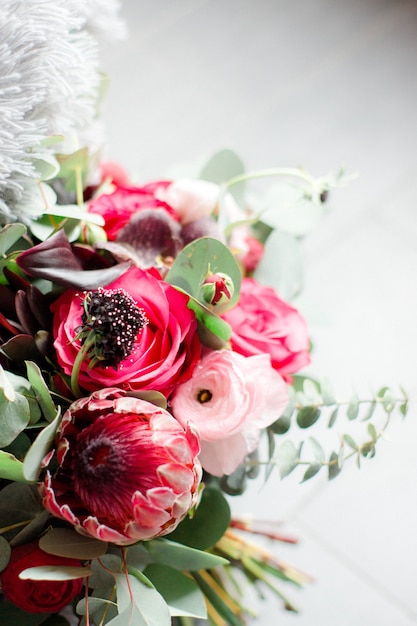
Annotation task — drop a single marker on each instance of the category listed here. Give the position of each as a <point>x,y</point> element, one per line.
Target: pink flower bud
<point>217,288</point>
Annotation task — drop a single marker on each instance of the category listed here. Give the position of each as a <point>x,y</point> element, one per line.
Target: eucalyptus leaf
<point>353,408</point>
<point>311,471</point>
<point>94,605</point>
<point>46,166</point>
<point>67,542</point>
<point>350,441</point>
<point>281,425</point>
<point>333,417</point>
<point>55,572</point>
<point>317,450</point>
<point>14,417</point>
<point>281,265</point>
<point>139,604</point>
<point>38,450</point>
<point>334,467</point>
<point>286,458</point>
<point>9,235</point>
<point>370,411</point>
<point>222,166</point>
<point>182,557</point>
<point>196,260</point>
<point>307,416</point>
<point>179,591</point>
<point>372,432</point>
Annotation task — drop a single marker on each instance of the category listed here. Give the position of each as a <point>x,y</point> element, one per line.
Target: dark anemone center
<point>204,395</point>
<point>114,319</point>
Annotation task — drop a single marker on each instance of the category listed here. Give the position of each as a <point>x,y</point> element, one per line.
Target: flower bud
<point>217,288</point>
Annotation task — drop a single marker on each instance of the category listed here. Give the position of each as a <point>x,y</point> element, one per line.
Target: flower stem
<point>84,350</point>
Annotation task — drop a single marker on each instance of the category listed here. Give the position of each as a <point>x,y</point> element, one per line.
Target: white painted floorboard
<point>316,83</point>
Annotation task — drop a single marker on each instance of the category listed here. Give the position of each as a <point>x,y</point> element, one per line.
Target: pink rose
<point>38,596</point>
<point>263,323</point>
<point>230,399</point>
<point>126,469</point>
<point>137,333</point>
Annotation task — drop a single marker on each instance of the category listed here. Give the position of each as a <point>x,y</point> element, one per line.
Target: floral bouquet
<point>151,360</point>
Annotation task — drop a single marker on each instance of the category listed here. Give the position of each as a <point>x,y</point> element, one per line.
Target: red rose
<point>118,207</point>
<point>262,322</point>
<point>137,333</point>
<point>38,596</point>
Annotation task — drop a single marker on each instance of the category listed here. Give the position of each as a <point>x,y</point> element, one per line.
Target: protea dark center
<point>115,319</point>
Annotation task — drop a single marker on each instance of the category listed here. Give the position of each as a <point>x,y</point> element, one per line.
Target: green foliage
<point>207,524</point>
<point>310,400</point>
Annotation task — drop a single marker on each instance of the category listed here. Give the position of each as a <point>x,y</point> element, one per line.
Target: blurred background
<point>318,84</point>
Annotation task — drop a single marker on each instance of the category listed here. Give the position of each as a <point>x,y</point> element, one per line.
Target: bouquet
<point>152,362</point>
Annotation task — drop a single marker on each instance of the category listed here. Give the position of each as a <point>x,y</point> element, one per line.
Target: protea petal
<point>127,470</point>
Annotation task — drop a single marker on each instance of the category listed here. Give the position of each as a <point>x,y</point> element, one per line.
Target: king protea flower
<point>127,470</point>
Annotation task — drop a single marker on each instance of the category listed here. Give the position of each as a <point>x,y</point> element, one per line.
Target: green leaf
<point>72,166</point>
<point>353,408</point>
<point>351,442</point>
<point>180,592</point>
<point>41,389</point>
<point>307,416</point>
<point>230,618</point>
<point>222,166</point>
<point>210,324</point>
<point>9,235</point>
<point>208,524</point>
<point>191,266</point>
<point>369,412</point>
<point>14,417</point>
<point>333,417</point>
<point>281,425</point>
<point>327,392</point>
<point>55,572</point>
<point>181,557</point>
<point>281,265</point>
<point>311,471</point>
<point>5,552</point>
<point>286,458</point>
<point>11,614</point>
<point>372,432</point>
<point>285,207</point>
<point>38,450</point>
<point>317,449</point>
<point>334,467</point>
<point>67,542</point>
<point>46,166</point>
<point>139,604</point>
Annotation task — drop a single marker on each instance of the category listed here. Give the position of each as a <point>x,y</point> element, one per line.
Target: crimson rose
<point>262,322</point>
<point>137,333</point>
<point>38,596</point>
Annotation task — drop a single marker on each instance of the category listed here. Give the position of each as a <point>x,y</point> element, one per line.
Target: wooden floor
<point>316,83</point>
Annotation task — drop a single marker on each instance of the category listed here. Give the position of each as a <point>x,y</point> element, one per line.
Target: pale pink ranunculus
<point>230,399</point>
<point>264,323</point>
<point>193,199</point>
<point>124,470</point>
